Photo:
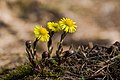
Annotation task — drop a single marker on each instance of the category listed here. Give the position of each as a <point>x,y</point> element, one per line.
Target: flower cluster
<point>65,25</point>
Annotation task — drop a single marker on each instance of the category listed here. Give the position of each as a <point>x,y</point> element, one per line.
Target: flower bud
<point>28,44</point>
<point>44,54</point>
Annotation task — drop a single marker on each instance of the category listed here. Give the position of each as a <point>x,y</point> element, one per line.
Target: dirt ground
<point>97,20</point>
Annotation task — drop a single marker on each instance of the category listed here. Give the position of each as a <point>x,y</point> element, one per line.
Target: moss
<point>18,73</point>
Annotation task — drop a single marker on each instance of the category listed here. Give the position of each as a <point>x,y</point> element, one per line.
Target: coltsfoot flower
<point>53,26</point>
<point>67,25</point>
<point>41,33</point>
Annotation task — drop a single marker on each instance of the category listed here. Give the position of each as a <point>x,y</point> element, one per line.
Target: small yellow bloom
<point>68,25</point>
<point>41,33</point>
<point>53,26</point>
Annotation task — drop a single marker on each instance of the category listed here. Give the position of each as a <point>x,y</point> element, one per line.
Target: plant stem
<point>34,46</point>
<point>49,44</point>
<point>60,45</point>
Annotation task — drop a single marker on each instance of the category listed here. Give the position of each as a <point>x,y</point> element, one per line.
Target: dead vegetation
<point>87,63</point>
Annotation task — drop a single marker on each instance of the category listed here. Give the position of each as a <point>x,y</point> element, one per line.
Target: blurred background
<point>98,21</point>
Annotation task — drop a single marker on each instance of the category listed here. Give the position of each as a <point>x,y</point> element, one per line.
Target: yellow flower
<point>53,26</point>
<point>41,33</point>
<point>67,25</point>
